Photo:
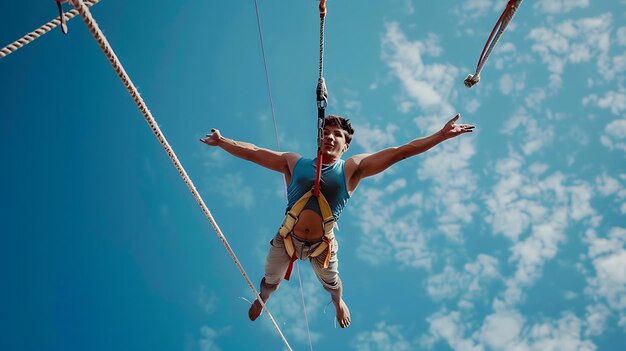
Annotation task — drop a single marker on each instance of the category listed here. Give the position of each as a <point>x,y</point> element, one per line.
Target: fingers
<point>454,119</point>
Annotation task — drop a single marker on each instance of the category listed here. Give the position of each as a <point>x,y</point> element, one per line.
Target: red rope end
<point>322,9</point>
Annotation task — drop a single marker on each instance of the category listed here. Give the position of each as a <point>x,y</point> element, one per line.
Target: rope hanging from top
<point>498,29</point>
<point>132,90</point>
<point>271,101</point>
<point>322,102</point>
<point>30,37</point>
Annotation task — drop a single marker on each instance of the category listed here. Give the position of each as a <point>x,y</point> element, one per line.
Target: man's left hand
<point>451,129</point>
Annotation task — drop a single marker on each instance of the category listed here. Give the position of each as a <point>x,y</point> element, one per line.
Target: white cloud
<point>576,41</point>
<point>596,319</point>
<point>563,334</point>
<point>373,139</point>
<point>506,84</point>
<point>535,98</point>
<point>507,330</point>
<point>608,256</point>
<point>429,86</point>
<point>453,185</point>
<point>612,100</point>
<point>559,6</point>
<point>501,330</point>
<point>383,338</point>
<point>449,327</point>
<point>614,136</point>
<point>208,302</point>
<point>570,295</point>
<point>541,206</point>
<point>390,226</point>
<point>395,185</point>
<point>510,83</point>
<point>607,185</point>
<point>535,136</point>
<point>234,190</point>
<point>620,38</point>
<point>472,106</point>
<point>469,283</point>
<point>208,341</point>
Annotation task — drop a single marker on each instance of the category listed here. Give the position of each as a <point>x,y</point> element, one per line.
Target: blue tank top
<point>332,185</point>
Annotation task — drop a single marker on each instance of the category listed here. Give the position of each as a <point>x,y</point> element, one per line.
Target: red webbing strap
<point>293,259</point>
<point>322,8</point>
<point>318,174</point>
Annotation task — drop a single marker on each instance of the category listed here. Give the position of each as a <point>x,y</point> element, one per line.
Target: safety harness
<point>328,222</point>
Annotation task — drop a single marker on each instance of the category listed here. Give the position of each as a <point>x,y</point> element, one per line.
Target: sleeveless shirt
<point>332,185</point>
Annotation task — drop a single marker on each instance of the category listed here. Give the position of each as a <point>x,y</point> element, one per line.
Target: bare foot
<point>255,310</point>
<point>343,313</point>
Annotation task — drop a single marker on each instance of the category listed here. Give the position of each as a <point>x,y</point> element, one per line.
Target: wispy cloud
<point>453,184</point>
<point>615,101</point>
<point>466,284</point>
<point>233,188</point>
<point>207,301</point>
<point>449,327</point>
<point>427,86</point>
<point>390,225</point>
<point>287,308</point>
<point>383,338</point>
<point>575,41</point>
<point>559,6</point>
<point>208,340</point>
<point>534,136</point>
<point>608,256</point>
<point>507,329</point>
<point>372,138</point>
<point>537,208</point>
<point>614,136</point>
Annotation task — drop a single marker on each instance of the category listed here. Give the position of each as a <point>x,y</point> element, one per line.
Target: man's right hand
<point>212,139</point>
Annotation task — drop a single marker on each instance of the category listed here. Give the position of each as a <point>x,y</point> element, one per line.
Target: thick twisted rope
<point>503,22</point>
<point>134,93</point>
<point>322,102</point>
<point>321,70</point>
<point>30,37</point>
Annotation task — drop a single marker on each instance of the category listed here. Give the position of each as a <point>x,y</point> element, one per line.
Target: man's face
<point>334,141</point>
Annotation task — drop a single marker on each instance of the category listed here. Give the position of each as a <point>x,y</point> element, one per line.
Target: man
<point>339,179</point>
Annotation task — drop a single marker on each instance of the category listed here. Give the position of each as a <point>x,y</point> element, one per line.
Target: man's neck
<point>328,159</point>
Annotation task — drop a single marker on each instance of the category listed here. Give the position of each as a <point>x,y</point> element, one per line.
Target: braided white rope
<point>30,37</point>
<point>508,14</point>
<point>117,66</point>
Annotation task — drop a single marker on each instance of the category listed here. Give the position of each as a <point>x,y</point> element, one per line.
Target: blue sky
<point>510,238</point>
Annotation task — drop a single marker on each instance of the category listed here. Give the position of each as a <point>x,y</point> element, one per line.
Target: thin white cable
<point>30,37</point>
<point>117,66</point>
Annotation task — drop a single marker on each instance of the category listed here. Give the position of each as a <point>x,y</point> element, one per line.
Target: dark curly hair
<point>343,123</point>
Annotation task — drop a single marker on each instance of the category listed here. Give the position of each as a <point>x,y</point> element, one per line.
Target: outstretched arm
<point>367,165</point>
<point>276,161</point>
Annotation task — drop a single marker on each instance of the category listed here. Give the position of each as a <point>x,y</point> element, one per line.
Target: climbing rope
<point>134,93</point>
<point>30,37</point>
<point>322,102</point>
<point>269,91</point>
<point>503,22</point>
